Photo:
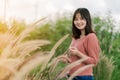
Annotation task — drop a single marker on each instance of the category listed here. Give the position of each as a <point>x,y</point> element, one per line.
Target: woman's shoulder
<point>91,35</point>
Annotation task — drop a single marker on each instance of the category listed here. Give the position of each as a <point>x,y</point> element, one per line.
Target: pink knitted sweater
<point>89,46</point>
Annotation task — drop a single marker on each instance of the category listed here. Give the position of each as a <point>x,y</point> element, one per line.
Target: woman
<point>84,44</point>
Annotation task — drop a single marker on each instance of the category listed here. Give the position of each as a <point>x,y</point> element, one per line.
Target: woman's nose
<point>79,21</point>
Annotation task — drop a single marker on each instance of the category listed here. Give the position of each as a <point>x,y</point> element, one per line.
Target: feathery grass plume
<point>38,21</point>
<point>104,68</point>
<point>13,30</point>
<point>11,62</point>
<point>57,45</point>
<point>44,73</point>
<point>56,61</point>
<point>31,62</point>
<point>69,67</point>
<point>26,32</point>
<point>79,71</point>
<point>13,54</point>
<point>52,52</point>
<point>21,36</point>
<point>23,49</point>
<point>5,40</point>
<point>64,57</point>
<point>39,54</point>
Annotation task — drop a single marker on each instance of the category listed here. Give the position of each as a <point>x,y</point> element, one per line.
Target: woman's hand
<point>75,51</point>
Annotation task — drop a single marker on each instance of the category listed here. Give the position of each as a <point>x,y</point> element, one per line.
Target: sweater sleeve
<point>92,49</point>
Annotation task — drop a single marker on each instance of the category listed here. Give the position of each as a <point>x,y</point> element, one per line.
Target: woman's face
<point>79,22</point>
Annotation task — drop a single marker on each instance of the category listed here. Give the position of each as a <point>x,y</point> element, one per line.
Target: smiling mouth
<point>79,25</point>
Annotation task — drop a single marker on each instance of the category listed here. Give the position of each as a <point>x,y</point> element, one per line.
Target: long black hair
<point>84,15</point>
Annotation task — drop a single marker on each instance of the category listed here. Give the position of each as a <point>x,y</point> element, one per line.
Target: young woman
<point>84,44</point>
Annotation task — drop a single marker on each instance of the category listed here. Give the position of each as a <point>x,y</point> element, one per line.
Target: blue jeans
<point>83,78</point>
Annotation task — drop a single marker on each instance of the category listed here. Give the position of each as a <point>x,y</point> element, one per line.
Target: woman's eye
<point>76,19</point>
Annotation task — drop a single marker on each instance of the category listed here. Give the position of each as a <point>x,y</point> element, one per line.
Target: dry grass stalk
<point>23,49</point>
<point>10,60</point>
<point>79,71</point>
<point>5,40</point>
<point>31,62</point>
<point>38,21</point>
<point>55,62</point>
<point>44,68</point>
<point>68,68</point>
<point>26,32</point>
<point>57,45</point>
<point>104,68</point>
<point>52,52</point>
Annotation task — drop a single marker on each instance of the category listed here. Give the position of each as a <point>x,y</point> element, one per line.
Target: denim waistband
<point>83,78</point>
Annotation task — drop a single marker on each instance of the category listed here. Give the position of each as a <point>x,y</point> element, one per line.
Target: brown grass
<point>13,62</point>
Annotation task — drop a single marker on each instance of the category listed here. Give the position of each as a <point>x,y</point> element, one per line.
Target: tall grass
<point>44,71</point>
<point>104,69</point>
<point>15,58</point>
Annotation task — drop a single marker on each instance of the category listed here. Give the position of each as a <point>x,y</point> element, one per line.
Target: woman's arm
<point>92,50</point>
<point>75,51</point>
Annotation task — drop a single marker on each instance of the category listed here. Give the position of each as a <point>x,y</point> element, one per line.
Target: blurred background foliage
<point>54,30</point>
